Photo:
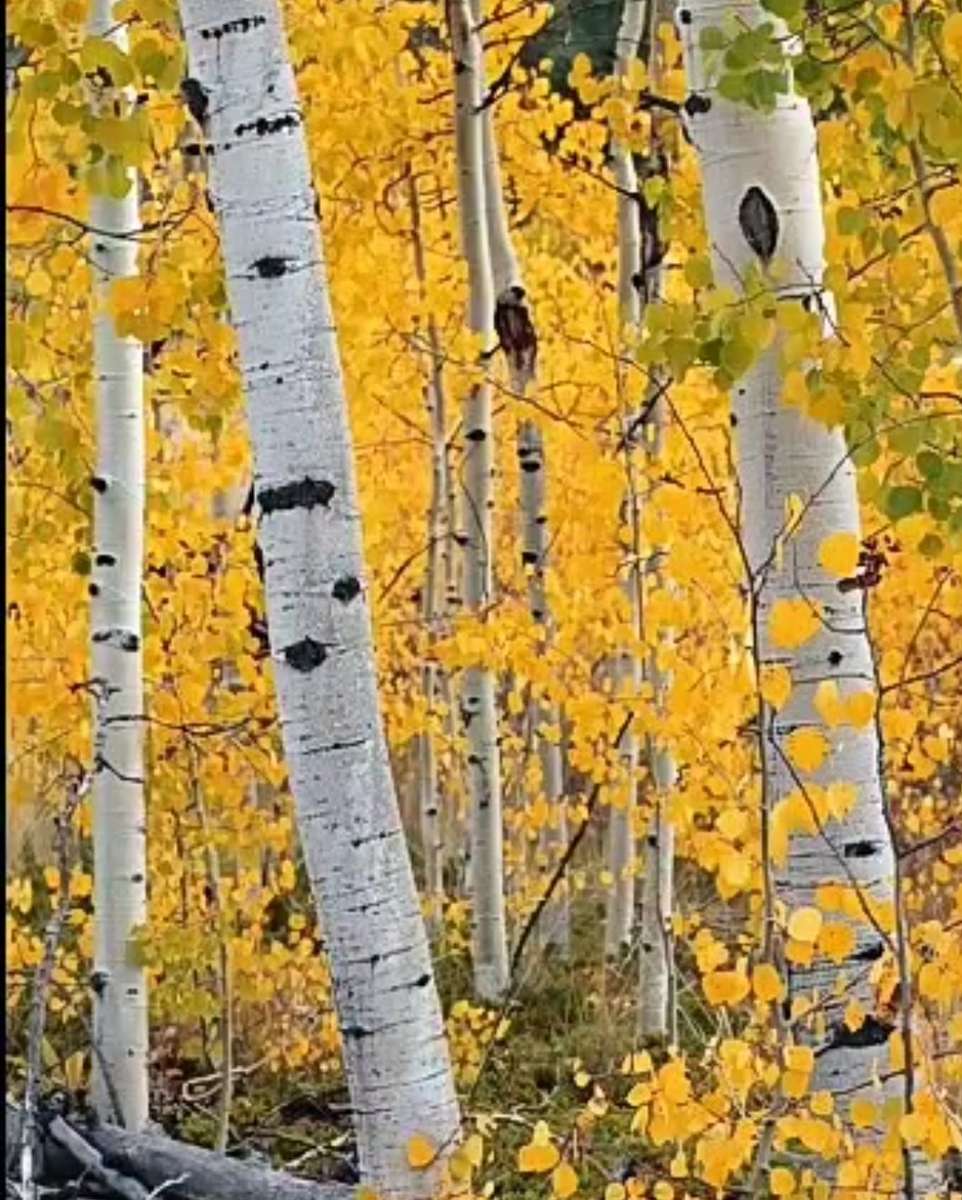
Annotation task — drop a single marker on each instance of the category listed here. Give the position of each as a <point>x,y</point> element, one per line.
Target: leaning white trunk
<point>395,1054</point>
<point>784,454</point>
<point>120,1028</point>
<point>478,705</point>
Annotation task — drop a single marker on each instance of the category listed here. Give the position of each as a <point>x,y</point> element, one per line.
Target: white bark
<point>620,848</point>
<point>656,968</point>
<point>554,925</point>
<point>435,591</point>
<point>395,1055</point>
<point>620,843</point>
<point>120,1026</point>
<point>506,272</point>
<point>782,453</point>
<point>478,705</point>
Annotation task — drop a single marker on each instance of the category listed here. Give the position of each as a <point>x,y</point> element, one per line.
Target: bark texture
<point>120,1027</point>
<point>478,704</point>
<point>395,1053</point>
<point>554,924</point>
<point>745,155</point>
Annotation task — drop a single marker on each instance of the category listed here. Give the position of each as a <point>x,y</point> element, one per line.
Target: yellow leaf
<point>81,885</point>
<point>51,877</point>
<point>421,1153</point>
<point>564,1181</point>
<point>807,749</point>
<point>952,36</point>
<point>792,623</point>
<point>836,941</point>
<point>854,1016</point>
<point>582,1079</point>
<point>863,1113</point>
<point>781,1182</point>
<point>838,554</point>
<point>615,1191</point>
<point>474,1149</point>
<point>860,709</point>
<point>775,685</point>
<point>767,983</point>
<point>822,1104</point>
<point>73,1070</point>
<point>828,704</point>
<point>535,1160</point>
<point>800,1059</point>
<point>663,1190</point>
<point>805,924</point>
<point>678,1167</point>
<point>725,987</point>
<point>674,1082</point>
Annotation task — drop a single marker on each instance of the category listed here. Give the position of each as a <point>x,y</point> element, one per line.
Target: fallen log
<point>128,1162</point>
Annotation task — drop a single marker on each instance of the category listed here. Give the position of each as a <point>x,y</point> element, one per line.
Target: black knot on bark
<point>270,266</point>
<point>758,222</point>
<point>696,104</point>
<point>304,493</point>
<point>346,588</point>
<point>305,655</point>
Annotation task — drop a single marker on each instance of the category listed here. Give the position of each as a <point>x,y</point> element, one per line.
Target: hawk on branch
<point>516,336</point>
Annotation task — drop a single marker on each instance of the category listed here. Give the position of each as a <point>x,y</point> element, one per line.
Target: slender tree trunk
<point>395,1054</point>
<point>120,1026</point>
<point>761,185</point>
<point>627,673</point>
<point>656,967</point>
<point>506,273</point>
<point>554,925</point>
<point>435,591</point>
<point>478,706</point>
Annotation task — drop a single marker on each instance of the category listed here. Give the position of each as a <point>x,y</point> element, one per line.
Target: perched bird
<point>516,336</point>
<point>758,221</point>
<point>197,99</point>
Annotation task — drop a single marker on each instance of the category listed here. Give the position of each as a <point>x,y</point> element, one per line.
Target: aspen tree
<point>120,1023</point>
<point>554,926</point>
<point>435,601</point>
<point>763,209</point>
<point>656,971</point>
<point>620,848</point>
<point>478,703</point>
<point>395,1053</point>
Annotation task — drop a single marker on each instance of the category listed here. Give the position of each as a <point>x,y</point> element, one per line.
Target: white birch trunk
<point>656,967</point>
<point>782,453</point>
<point>395,1055</point>
<point>120,1023</point>
<point>620,847</point>
<point>435,591</point>
<point>478,706</point>
<point>554,925</point>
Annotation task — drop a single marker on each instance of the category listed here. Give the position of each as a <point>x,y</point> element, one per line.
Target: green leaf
<point>80,563</point>
<point>712,38</point>
<point>902,502</point>
<point>850,221</point>
<point>929,464</point>
<point>786,9</point>
<point>698,272</point>
<point>931,545</point>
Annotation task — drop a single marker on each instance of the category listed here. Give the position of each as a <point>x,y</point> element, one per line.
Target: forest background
<point>556,1076</point>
